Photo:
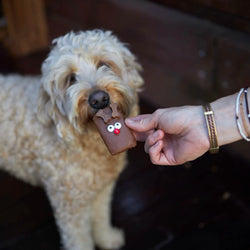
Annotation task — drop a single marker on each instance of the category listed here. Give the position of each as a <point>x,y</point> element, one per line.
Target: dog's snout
<point>99,99</point>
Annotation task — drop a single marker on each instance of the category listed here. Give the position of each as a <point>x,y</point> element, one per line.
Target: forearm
<point>224,113</point>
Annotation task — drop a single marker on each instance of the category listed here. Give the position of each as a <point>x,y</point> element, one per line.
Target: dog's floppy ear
<point>133,68</point>
<point>44,107</point>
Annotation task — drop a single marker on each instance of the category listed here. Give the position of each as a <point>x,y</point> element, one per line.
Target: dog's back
<point>18,101</point>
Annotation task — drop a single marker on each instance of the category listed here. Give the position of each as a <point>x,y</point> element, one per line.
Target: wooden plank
<point>231,13</point>
<point>233,63</point>
<point>24,216</point>
<point>237,8</point>
<point>26,25</point>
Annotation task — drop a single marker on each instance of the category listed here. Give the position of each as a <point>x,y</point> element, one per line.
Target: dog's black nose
<point>99,99</point>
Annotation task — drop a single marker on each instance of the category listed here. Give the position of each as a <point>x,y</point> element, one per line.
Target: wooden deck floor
<point>204,204</point>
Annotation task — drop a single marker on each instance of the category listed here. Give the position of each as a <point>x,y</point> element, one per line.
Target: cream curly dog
<point>47,136</point>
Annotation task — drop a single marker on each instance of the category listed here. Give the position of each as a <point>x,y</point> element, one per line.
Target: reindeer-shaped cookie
<point>114,132</point>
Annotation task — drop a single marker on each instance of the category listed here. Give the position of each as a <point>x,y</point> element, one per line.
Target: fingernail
<point>130,120</point>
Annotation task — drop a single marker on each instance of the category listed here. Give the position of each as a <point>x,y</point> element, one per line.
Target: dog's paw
<point>111,239</point>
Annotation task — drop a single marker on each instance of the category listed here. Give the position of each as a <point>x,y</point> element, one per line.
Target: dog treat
<point>116,135</point>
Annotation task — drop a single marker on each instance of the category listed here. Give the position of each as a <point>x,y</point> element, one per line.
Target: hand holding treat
<point>172,136</point>
<point>110,124</point>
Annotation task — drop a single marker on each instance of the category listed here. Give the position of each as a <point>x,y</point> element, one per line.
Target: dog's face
<point>83,73</point>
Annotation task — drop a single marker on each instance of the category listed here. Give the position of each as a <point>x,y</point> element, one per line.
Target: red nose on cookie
<point>117,131</point>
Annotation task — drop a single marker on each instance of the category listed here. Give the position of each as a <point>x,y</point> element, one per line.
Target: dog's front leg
<point>73,219</point>
<point>106,236</point>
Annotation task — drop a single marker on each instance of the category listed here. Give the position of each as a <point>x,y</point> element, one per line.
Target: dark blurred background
<point>191,51</point>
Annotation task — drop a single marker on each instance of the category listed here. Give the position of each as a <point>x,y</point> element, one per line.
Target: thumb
<point>141,123</point>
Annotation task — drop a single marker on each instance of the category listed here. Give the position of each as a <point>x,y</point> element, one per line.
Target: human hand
<point>172,136</point>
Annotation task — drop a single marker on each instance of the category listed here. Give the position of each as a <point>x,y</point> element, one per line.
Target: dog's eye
<point>71,79</point>
<point>102,63</point>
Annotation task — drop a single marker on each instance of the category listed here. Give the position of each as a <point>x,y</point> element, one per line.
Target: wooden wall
<point>185,59</point>
<point>231,13</point>
<point>26,28</point>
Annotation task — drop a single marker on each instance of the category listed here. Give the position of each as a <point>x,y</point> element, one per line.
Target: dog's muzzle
<point>99,99</point>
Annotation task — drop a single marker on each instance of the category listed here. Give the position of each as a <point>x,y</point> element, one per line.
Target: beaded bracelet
<point>211,127</point>
<point>237,116</point>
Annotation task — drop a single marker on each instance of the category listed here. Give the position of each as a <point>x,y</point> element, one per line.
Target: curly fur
<point>47,136</point>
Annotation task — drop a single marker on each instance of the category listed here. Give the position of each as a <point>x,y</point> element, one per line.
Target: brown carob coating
<point>116,135</point>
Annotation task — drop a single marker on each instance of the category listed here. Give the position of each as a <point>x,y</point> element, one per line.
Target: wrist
<point>199,123</point>
<point>224,114</point>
